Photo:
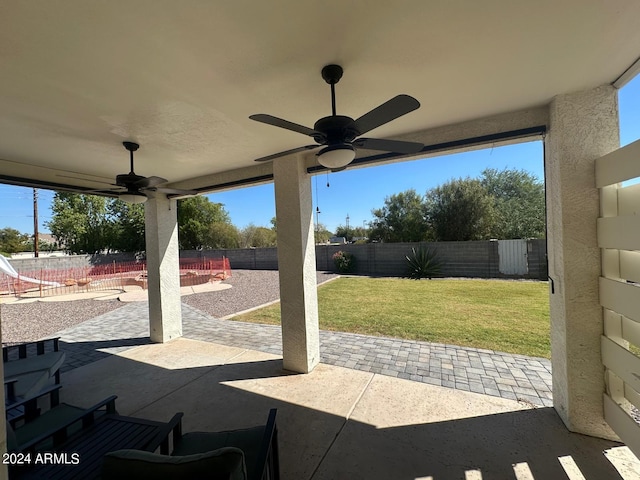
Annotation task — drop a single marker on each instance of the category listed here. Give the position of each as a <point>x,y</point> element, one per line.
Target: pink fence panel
<point>113,276</point>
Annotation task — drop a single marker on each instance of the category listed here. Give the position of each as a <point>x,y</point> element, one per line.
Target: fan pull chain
<point>327,178</point>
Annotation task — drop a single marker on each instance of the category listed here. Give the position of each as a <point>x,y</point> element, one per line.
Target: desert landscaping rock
<point>26,321</point>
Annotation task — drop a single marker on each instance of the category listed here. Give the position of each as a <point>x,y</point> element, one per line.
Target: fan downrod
<point>332,74</point>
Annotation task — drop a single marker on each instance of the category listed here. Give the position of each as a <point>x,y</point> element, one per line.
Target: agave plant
<point>423,263</point>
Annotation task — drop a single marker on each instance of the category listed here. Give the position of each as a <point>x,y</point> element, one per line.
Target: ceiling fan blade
<point>149,182</point>
<point>396,146</point>
<point>287,125</point>
<point>174,191</point>
<point>390,110</point>
<point>286,152</point>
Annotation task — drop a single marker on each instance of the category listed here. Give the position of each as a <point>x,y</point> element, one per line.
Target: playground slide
<point>5,267</point>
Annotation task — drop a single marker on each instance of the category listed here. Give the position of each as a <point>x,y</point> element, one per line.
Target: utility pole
<point>347,227</point>
<point>35,223</point>
<point>317,224</point>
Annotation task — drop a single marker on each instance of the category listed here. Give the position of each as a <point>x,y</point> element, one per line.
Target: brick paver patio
<point>505,375</point>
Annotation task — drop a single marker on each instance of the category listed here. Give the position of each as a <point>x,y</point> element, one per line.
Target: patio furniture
<point>28,368</point>
<point>25,409</point>
<point>46,431</point>
<point>250,453</point>
<point>80,454</point>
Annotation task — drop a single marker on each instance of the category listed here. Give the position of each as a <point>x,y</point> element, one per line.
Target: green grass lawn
<point>503,315</point>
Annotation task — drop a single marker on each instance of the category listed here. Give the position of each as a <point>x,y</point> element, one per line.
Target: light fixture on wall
<point>336,156</point>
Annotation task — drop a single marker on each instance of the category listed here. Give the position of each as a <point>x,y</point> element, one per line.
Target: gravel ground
<point>251,288</point>
<point>26,322</point>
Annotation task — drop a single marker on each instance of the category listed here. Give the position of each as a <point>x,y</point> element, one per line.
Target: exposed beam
<point>628,75</point>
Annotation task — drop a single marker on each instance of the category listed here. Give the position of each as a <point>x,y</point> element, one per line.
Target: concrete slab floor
<point>339,423</point>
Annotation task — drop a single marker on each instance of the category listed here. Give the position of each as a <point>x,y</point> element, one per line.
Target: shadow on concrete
<point>325,432</point>
<point>79,354</point>
<point>497,446</point>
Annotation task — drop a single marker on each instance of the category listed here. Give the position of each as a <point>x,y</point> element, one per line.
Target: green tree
<point>12,241</point>
<point>129,226</point>
<point>196,215</point>
<point>321,234</point>
<point>223,235</point>
<point>349,233</point>
<point>460,210</point>
<point>42,246</point>
<point>401,219</point>
<point>253,236</point>
<point>519,203</point>
<point>81,222</point>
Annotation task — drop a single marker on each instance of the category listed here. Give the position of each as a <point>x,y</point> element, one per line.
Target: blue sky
<point>351,192</point>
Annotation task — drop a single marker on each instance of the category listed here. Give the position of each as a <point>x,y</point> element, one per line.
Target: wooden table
<point>87,447</point>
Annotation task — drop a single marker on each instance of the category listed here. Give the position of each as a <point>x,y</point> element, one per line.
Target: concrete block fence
<point>68,261</point>
<point>477,259</point>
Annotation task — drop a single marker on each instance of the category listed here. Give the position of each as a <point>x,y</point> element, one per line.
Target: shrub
<point>423,263</point>
<point>345,262</point>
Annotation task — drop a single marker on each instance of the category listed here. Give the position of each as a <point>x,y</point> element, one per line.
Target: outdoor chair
<point>28,368</point>
<point>250,453</point>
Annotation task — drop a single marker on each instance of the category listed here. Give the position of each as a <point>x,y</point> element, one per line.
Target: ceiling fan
<point>339,133</point>
<point>136,185</point>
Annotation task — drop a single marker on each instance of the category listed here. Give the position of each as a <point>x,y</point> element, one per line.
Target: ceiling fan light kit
<point>133,197</point>
<point>339,133</point>
<point>336,156</point>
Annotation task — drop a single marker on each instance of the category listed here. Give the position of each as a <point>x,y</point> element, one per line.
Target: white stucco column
<point>583,127</point>
<point>161,231</point>
<point>296,265</point>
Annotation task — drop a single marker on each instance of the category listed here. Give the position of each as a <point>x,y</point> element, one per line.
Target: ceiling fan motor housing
<point>125,180</point>
<point>336,129</point>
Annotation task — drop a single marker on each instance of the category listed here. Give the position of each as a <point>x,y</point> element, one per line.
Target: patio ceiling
<point>181,78</point>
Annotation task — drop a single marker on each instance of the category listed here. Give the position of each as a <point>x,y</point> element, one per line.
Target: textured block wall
<point>460,259</point>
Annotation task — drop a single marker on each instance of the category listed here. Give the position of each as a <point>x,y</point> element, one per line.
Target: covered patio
<point>182,80</point>
<point>339,423</point>
<point>336,422</point>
